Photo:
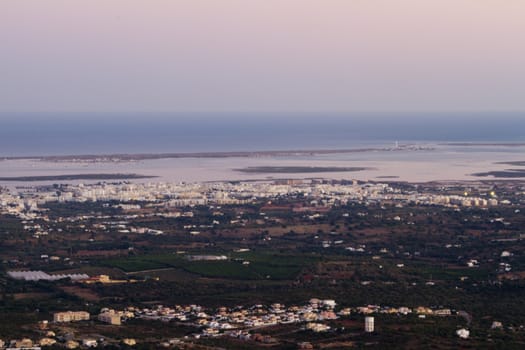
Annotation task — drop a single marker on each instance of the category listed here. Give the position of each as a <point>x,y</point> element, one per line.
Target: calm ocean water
<point>46,134</point>
<point>99,134</point>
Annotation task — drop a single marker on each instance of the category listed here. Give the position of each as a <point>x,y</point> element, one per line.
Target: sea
<point>450,146</point>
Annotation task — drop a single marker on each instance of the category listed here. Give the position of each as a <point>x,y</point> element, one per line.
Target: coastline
<point>115,157</point>
<point>74,177</point>
<point>414,164</point>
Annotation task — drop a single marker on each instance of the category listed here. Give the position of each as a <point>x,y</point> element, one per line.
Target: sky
<point>261,56</point>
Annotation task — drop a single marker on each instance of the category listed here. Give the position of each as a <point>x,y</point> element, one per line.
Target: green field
<point>261,265</point>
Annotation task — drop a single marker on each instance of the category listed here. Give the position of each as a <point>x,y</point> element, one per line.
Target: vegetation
<point>357,254</point>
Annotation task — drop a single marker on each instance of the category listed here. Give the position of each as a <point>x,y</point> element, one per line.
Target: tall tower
<point>369,324</point>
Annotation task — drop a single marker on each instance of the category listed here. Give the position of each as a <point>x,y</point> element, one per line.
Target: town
<point>240,322</point>
<point>76,256</point>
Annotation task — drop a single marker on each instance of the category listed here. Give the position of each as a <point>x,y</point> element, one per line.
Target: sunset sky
<point>262,55</point>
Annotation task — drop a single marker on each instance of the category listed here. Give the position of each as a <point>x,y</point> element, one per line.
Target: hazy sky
<point>262,55</point>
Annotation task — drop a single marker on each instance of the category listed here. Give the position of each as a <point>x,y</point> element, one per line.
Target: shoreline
<point>113,157</point>
<point>73,177</point>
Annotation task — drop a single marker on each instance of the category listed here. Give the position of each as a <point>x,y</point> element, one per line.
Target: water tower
<point>369,324</point>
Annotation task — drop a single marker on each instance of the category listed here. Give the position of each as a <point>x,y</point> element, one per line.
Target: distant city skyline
<point>234,56</point>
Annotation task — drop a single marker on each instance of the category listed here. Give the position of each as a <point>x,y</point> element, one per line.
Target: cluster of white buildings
<point>456,200</point>
<point>28,200</point>
<point>166,199</point>
<point>224,319</point>
<point>238,321</point>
